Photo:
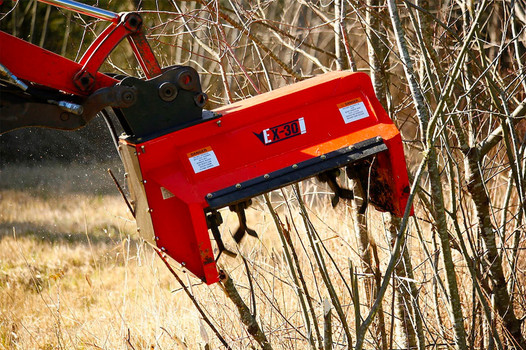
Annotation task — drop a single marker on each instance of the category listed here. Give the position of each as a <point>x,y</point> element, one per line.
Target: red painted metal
<point>129,27</point>
<point>43,67</point>
<point>98,55</point>
<point>32,63</point>
<point>97,42</point>
<point>144,55</point>
<point>179,221</point>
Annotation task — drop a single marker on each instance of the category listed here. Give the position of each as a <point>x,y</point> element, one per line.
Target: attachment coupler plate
<point>257,145</point>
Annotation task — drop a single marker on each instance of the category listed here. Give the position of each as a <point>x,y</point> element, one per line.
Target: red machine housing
<point>256,145</point>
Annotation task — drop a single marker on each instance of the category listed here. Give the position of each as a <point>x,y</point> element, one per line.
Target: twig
<point>121,192</point>
<point>327,325</point>
<point>293,264</point>
<point>190,295</point>
<point>246,317</point>
<point>128,340</point>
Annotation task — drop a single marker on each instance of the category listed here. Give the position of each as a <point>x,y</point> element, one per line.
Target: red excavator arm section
<point>34,64</point>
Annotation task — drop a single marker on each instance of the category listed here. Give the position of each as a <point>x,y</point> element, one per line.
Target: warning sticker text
<point>203,159</point>
<point>353,110</point>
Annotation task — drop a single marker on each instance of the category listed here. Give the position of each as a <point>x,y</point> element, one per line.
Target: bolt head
<point>84,81</point>
<point>294,166</point>
<point>156,238</point>
<point>323,156</point>
<point>143,181</point>
<point>163,249</point>
<point>210,195</point>
<point>266,176</point>
<point>379,139</point>
<point>128,98</point>
<point>351,148</point>
<point>168,91</point>
<point>238,186</point>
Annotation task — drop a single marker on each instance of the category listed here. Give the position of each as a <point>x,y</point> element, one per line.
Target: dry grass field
<point>74,275</point>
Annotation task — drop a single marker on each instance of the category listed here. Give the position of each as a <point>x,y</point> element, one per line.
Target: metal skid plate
<point>260,144</point>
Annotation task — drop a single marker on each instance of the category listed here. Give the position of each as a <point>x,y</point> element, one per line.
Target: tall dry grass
<point>75,275</point>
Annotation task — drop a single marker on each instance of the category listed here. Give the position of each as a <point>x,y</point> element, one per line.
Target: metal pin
<point>323,156</point>
<point>294,166</point>
<point>68,106</point>
<point>163,249</point>
<point>210,195</point>
<point>218,123</point>
<point>156,238</point>
<point>351,148</point>
<point>12,78</point>
<point>143,150</point>
<point>379,139</point>
<point>266,176</point>
<point>143,181</point>
<point>238,186</point>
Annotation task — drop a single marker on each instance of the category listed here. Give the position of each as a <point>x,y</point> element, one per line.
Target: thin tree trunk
<point>407,303</point>
<point>367,249</point>
<point>436,184</point>
<point>248,320</point>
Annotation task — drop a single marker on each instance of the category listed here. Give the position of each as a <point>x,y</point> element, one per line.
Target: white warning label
<point>353,110</point>
<point>203,159</point>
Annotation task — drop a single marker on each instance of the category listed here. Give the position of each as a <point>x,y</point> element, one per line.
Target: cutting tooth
<point>330,177</point>
<point>214,220</point>
<point>239,209</point>
<point>360,174</point>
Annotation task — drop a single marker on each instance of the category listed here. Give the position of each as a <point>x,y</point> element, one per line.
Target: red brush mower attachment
<point>184,163</point>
